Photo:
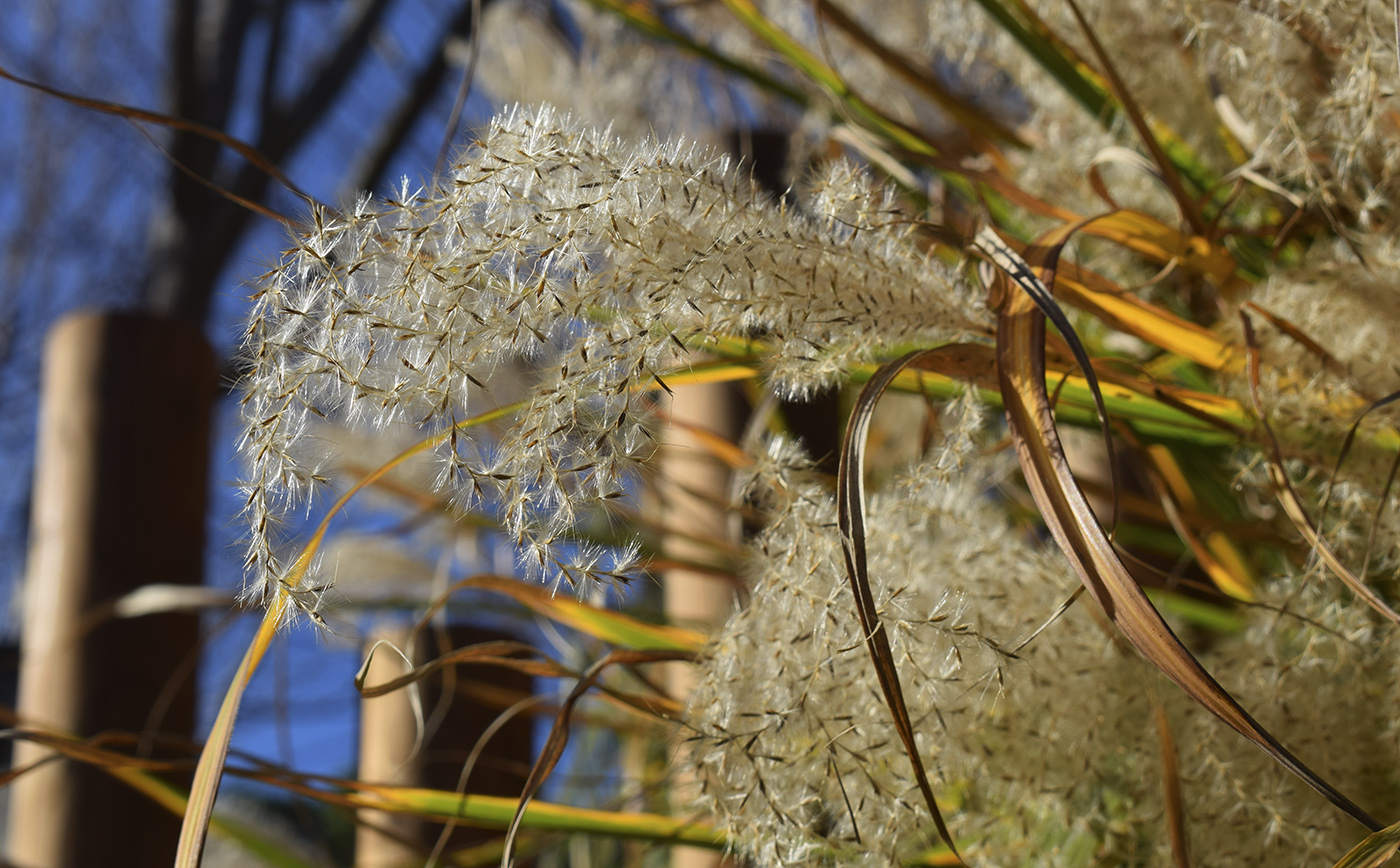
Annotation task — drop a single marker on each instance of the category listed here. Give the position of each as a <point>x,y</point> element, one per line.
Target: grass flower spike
<point>1043,743</point>
<point>593,263</point>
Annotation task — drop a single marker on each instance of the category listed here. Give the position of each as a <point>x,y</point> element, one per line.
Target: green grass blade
<point>641,17</point>
<point>1090,90</point>
<point>497,812</point>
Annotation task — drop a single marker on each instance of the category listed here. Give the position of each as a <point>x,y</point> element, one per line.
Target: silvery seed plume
<point>593,261</point>
<point>790,735</point>
<point>1046,752</point>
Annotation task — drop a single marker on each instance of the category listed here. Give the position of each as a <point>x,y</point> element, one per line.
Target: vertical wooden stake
<point>388,731</point>
<point>119,502</point>
<point>691,598</point>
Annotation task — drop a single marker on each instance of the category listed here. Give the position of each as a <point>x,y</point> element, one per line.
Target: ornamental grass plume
<point>1043,742</point>
<point>1345,301</point>
<point>597,263</point>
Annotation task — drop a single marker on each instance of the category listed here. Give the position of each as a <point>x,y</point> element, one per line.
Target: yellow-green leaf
<point>606,624</point>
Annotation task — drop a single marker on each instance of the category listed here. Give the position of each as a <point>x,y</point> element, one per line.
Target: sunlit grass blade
<point>1162,244</point>
<point>1131,315</point>
<point>617,627</point>
<point>134,772</point>
<point>1215,552</point>
<point>1126,312</point>
<point>494,812</point>
<point>272,853</point>
<point>720,371</point>
<point>611,626</point>
<point>209,771</point>
<point>1021,357</point>
<point>498,812</point>
<point>1148,415</point>
<point>850,512</point>
<point>1188,416</point>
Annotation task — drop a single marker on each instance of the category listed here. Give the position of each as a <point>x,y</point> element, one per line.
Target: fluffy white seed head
<point>590,263</point>
<point>1049,755</point>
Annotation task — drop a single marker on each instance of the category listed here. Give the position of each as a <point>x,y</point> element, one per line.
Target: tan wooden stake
<point>388,730</point>
<point>119,502</point>
<point>698,485</point>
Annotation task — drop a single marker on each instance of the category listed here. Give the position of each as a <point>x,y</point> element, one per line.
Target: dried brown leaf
<point>850,511</point>
<point>1021,357</point>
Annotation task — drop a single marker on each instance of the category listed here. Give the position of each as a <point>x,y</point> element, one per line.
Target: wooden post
<point>699,485</point>
<point>119,502</point>
<point>388,731</point>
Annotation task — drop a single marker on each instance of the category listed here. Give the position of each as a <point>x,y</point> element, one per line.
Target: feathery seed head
<point>589,261</point>
<point>1046,750</point>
